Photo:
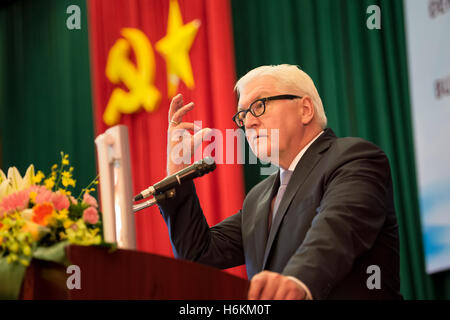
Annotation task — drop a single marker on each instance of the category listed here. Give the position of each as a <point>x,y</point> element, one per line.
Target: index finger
<point>175,104</point>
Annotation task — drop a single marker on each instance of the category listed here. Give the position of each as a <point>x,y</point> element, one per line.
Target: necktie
<point>284,180</point>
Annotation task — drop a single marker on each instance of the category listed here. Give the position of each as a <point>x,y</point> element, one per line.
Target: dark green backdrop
<point>361,74</point>
<point>45,91</point>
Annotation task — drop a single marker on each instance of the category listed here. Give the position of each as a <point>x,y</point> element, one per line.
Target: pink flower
<point>90,200</point>
<point>90,215</point>
<point>59,201</point>
<point>43,195</point>
<point>16,201</point>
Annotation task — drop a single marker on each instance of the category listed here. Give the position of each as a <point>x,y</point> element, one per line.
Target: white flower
<point>14,182</point>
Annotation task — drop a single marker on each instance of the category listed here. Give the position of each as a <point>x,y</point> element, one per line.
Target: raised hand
<point>181,143</point>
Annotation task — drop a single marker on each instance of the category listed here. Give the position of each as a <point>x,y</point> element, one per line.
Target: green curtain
<point>362,77</point>
<point>45,91</point>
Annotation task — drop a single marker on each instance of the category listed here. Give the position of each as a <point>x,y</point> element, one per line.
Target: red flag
<point>141,53</point>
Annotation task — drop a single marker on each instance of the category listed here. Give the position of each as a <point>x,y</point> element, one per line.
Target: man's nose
<point>251,121</point>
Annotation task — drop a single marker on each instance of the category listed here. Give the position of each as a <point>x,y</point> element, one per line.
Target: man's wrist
<point>303,286</point>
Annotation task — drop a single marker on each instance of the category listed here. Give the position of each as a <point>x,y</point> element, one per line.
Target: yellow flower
<point>68,223</point>
<point>26,250</point>
<point>62,214</point>
<point>12,257</point>
<point>64,159</point>
<point>38,177</point>
<point>26,263</point>
<point>66,192</point>
<point>33,196</point>
<point>49,182</point>
<point>67,180</point>
<point>14,247</point>
<point>66,174</point>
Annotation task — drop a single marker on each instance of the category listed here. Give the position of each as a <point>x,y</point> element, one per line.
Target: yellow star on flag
<point>175,46</point>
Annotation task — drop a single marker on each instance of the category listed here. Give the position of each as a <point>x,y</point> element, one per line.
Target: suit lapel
<point>261,223</point>
<point>301,172</point>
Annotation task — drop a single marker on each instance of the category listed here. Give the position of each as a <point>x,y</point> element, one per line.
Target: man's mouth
<point>259,136</point>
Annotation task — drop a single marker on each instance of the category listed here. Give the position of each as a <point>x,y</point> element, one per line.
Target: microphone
<point>197,169</point>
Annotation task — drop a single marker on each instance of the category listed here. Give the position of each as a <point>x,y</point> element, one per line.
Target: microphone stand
<point>157,198</point>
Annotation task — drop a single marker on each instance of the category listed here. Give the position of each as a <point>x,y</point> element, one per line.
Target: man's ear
<point>306,110</point>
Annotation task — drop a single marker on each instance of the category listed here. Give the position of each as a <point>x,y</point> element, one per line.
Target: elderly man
<point>323,227</point>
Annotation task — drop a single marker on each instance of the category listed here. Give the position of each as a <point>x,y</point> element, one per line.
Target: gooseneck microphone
<point>197,169</point>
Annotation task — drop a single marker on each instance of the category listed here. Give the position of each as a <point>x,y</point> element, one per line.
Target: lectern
<point>130,274</point>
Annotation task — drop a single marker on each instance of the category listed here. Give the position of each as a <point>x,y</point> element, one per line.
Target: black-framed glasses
<point>258,107</point>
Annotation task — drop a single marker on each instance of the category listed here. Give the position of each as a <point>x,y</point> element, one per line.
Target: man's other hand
<point>268,285</point>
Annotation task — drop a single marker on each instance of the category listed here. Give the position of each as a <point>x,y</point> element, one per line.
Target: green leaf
<point>111,246</point>
<point>55,253</point>
<point>11,278</point>
<point>76,211</point>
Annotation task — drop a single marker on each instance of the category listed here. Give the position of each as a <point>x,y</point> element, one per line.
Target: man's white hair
<point>291,78</point>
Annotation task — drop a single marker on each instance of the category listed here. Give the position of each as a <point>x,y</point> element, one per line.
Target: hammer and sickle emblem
<point>138,79</point>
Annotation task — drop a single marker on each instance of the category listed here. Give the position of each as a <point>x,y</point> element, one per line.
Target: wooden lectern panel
<point>128,274</point>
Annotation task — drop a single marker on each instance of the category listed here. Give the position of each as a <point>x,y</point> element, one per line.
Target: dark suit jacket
<point>336,219</point>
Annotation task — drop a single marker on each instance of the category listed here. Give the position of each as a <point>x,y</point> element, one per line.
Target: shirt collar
<point>300,154</point>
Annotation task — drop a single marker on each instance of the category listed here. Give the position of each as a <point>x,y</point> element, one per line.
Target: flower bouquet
<point>39,216</point>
